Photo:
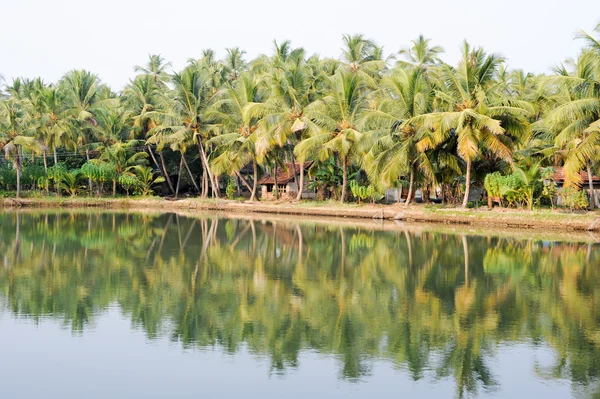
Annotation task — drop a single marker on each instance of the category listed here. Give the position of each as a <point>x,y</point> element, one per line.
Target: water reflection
<point>433,304</point>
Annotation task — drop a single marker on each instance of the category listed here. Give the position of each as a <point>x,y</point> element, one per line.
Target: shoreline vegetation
<point>366,127</point>
<point>555,220</point>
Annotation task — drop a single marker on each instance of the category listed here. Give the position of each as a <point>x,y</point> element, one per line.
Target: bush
<point>231,187</point>
<point>574,198</point>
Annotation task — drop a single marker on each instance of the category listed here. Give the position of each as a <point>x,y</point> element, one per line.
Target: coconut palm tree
<point>236,146</point>
<point>483,120</point>
<point>284,122</point>
<point>395,149</point>
<point>337,116</point>
<point>141,97</point>
<point>187,120</point>
<point>576,122</point>
<point>156,68</point>
<point>420,54</point>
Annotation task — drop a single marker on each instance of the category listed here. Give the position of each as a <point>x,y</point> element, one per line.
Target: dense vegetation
<point>366,120</point>
<point>434,305</point>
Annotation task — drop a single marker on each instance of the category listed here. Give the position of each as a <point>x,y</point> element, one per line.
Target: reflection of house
<point>286,183</point>
<point>559,178</point>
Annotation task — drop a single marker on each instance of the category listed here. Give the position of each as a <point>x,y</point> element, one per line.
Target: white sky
<point>47,38</point>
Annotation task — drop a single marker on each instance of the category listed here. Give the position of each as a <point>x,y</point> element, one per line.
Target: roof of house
<point>559,176</point>
<point>285,174</point>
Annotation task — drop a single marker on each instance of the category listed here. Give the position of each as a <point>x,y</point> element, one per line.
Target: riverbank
<point>500,218</point>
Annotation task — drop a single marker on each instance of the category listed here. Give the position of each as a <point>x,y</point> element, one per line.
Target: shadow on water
<point>431,303</point>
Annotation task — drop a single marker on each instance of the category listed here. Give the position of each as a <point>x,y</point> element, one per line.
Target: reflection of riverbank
<point>437,305</point>
<point>546,225</point>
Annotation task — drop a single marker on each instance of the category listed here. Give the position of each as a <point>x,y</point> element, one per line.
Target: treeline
<point>365,120</point>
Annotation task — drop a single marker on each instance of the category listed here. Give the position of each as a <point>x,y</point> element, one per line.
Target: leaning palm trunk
<point>467,185</point>
<point>243,180</point>
<point>411,185</point>
<point>301,183</point>
<point>255,182</point>
<point>344,178</point>
<point>163,170</point>
<point>190,174</point>
<point>215,187</point>
<point>294,170</point>
<point>591,185</point>
<point>179,177</point>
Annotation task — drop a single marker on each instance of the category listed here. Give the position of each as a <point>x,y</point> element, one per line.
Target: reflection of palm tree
<point>350,292</point>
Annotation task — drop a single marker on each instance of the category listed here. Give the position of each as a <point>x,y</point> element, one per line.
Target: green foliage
<point>129,181</point>
<point>231,188</point>
<point>33,173</point>
<point>146,180</point>
<point>574,198</point>
<point>361,192</point>
<point>71,182</point>
<point>99,172</point>
<point>419,120</point>
<point>517,189</point>
<point>550,189</point>
<point>8,177</point>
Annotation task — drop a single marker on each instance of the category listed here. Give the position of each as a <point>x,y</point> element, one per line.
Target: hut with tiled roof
<point>287,178</point>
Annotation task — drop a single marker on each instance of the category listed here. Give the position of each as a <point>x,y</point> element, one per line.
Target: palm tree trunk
<point>344,178</point>
<point>46,172</point>
<point>179,177</point>
<point>275,188</point>
<point>163,170</point>
<point>467,185</point>
<point>166,174</point>
<point>204,183</point>
<point>255,182</point>
<point>466,256</point>
<point>87,157</point>
<point>215,187</point>
<point>591,185</point>
<point>243,180</point>
<point>114,187</point>
<point>301,183</point>
<point>18,167</point>
<point>411,185</point>
<point>190,173</point>
<point>294,170</point>
<point>55,156</point>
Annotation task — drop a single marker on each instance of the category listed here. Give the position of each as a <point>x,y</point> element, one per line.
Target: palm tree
<point>420,54</point>
<point>141,97</point>
<point>186,121</point>
<point>236,146</point>
<point>156,68</point>
<point>474,111</point>
<point>284,121</point>
<point>395,149</point>
<point>337,116</point>
<point>83,94</point>
<point>576,122</point>
<point>146,178</point>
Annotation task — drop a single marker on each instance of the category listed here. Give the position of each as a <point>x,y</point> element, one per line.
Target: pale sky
<point>47,38</point>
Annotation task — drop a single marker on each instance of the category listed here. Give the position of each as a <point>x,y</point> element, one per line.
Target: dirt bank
<point>498,218</point>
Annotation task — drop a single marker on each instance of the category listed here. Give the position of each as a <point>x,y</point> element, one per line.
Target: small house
<point>559,178</point>
<point>287,179</point>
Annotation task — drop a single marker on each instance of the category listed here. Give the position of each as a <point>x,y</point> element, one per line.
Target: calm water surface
<point>126,305</point>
